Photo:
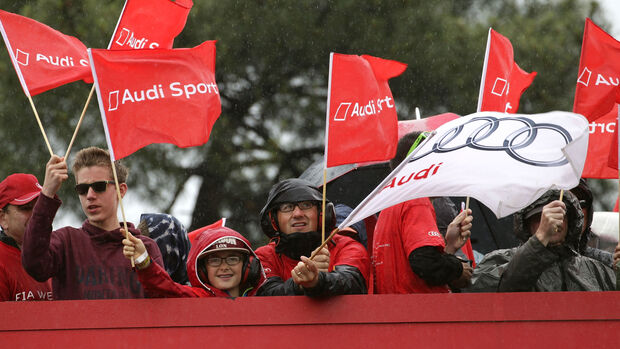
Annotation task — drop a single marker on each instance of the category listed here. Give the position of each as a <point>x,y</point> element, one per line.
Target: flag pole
<point>481,93</point>
<point>323,204</point>
<point>120,201</point>
<point>329,91</point>
<point>47,142</point>
<point>90,95</point>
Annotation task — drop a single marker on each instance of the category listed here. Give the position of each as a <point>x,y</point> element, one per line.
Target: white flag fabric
<point>505,161</point>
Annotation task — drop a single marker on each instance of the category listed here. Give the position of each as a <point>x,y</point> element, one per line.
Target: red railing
<point>520,320</point>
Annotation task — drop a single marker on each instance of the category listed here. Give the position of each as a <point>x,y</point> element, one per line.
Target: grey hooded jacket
<point>534,267</point>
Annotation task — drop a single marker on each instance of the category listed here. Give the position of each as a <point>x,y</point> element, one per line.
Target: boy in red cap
<point>18,194</point>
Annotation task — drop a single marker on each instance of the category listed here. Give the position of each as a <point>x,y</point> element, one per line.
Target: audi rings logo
<point>517,136</point>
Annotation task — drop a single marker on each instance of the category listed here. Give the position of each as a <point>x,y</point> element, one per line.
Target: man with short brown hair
<point>86,262</point>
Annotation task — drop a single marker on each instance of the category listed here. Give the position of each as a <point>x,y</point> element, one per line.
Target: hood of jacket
<point>573,211</point>
<point>205,240</point>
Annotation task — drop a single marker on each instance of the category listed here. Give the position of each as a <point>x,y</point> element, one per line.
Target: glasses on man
<point>290,206</point>
<point>217,261</point>
<point>98,187</point>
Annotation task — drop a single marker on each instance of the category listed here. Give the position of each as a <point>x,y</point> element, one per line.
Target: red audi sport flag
<point>148,24</point>
<point>503,81</point>
<point>598,83</point>
<point>43,57</point>
<point>362,124</point>
<point>156,96</point>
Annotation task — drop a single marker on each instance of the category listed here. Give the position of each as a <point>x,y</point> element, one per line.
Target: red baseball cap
<point>19,189</point>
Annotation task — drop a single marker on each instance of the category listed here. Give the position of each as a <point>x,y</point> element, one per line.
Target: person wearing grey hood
<point>549,258</point>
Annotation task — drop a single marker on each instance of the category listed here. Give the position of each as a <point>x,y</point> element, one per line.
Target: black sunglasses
<point>98,187</point>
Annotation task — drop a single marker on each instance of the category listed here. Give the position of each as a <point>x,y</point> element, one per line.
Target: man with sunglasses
<point>292,220</point>
<point>86,262</point>
<point>18,194</point>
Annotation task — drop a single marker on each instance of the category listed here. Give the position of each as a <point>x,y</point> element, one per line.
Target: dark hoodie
<point>535,267</point>
<point>158,283</point>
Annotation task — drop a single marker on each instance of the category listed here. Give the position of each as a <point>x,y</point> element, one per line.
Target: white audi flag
<point>505,161</point>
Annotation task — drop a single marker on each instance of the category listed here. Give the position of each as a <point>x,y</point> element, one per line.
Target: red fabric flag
<point>598,83</point>
<point>43,57</point>
<point>362,124</point>
<point>148,24</point>
<point>194,234</point>
<point>503,81</point>
<point>156,96</point>
<point>602,159</point>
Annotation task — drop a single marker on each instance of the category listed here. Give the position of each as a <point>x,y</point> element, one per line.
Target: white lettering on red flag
<point>149,24</point>
<point>361,116</point>
<point>156,96</point>
<point>503,81</point>
<point>505,162</point>
<point>43,57</point>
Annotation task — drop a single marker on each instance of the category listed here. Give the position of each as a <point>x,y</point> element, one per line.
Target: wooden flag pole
<point>323,205</point>
<point>329,91</point>
<point>47,142</point>
<point>561,194</point>
<point>90,95</point>
<point>120,201</point>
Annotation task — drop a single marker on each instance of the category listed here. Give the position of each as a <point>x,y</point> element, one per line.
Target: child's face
<point>224,276</point>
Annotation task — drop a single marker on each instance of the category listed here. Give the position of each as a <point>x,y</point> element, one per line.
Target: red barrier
<point>524,320</point>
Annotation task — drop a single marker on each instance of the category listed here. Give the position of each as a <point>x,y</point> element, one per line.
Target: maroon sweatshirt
<point>84,263</point>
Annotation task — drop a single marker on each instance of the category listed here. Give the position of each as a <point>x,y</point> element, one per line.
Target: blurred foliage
<point>272,66</point>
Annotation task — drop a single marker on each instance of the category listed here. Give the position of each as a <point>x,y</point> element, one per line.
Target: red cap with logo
<point>19,189</point>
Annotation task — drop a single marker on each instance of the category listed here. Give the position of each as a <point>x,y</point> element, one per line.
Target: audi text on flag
<point>598,82</point>
<point>603,136</point>
<point>503,81</point>
<point>43,57</point>
<point>361,118</point>
<point>156,96</point>
<point>505,162</point>
<point>149,24</point>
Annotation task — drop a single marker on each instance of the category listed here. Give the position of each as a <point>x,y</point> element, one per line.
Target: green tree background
<point>272,67</point>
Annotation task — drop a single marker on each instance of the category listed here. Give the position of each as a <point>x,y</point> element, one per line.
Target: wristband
<point>141,258</point>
